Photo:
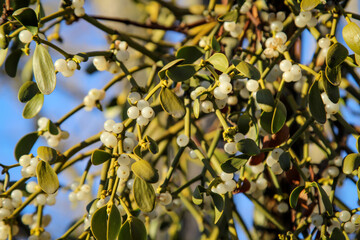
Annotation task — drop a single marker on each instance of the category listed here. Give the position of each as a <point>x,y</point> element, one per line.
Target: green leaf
<point>27,17</point>
<point>351,34</point>
<point>307,5</point>
<point>248,70</point>
<point>337,234</point>
<point>265,100</point>
<point>99,157</point>
<point>285,160</point>
<point>331,90</point>
<point>44,70</point>
<point>98,223</point>
<point>278,118</point>
<point>215,45</point>
<point>144,195</point>
<point>144,170</point>
<point>243,123</point>
<point>196,108</point>
<point>189,53</point>
<point>113,223</point>
<point>133,229</point>
<point>12,61</point>
<point>219,202</point>
<point>333,75</point>
<point>171,64</point>
<point>137,150</point>
<point>248,147</point>
<point>3,53</point>
<point>47,154</point>
<point>231,16</point>
<point>316,105</point>
<point>336,54</point>
<point>27,91</point>
<point>324,198</point>
<point>153,147</point>
<point>294,196</point>
<point>52,128</point>
<point>25,144</point>
<point>4,41</point>
<point>47,178</point>
<point>33,107</point>
<point>171,103</point>
<point>351,163</point>
<point>235,163</point>
<point>358,188</point>
<point>219,62</point>
<point>265,121</point>
<point>181,73</point>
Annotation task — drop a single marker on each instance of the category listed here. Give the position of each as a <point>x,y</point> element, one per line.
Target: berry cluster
<point>28,164</point>
<point>292,72</point>
<point>305,19</point>
<point>273,161</point>
<point>275,45</point>
<point>79,193</point>
<point>142,112</point>
<point>92,97</point>
<point>7,206</point>
<point>52,140</point>
<point>228,184</point>
<point>123,171</point>
<point>230,147</point>
<point>31,219</point>
<point>78,6</point>
<point>66,68</point>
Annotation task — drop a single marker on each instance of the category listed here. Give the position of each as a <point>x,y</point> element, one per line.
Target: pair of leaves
<point>104,226</point>
<point>171,103</point>
<point>47,178</point>
<point>273,121</point>
<point>133,229</point>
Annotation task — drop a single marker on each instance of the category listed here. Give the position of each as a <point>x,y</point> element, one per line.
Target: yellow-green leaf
<point>47,154</point>
<point>231,16</point>
<point>196,108</point>
<point>248,70</point>
<point>351,163</point>
<point>99,157</point>
<point>333,75</point>
<point>171,64</point>
<point>171,103</point>
<point>144,170</point>
<point>182,73</point>
<point>98,223</point>
<point>25,144</point>
<point>27,17</point>
<point>144,195</point>
<point>33,107</point>
<point>113,223</point>
<point>219,202</point>
<point>44,70</point>
<point>307,5</point>
<point>4,42</point>
<point>3,53</point>
<point>265,100</point>
<point>47,178</point>
<point>189,53</point>
<point>278,117</point>
<point>316,105</point>
<point>133,229</point>
<point>219,62</point>
<point>351,34</point>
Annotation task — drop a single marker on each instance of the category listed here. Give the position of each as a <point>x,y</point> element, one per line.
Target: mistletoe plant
<point>227,110</point>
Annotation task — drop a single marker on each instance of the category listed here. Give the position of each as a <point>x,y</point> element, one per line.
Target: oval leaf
<point>333,75</point>
<point>316,105</point>
<point>25,144</point>
<point>231,16</point>
<point>28,18</point>
<point>168,66</point>
<point>144,195</point>
<point>133,229</point>
<point>307,5</point>
<point>219,202</point>
<point>235,163</point>
<point>47,154</point>
<point>44,70</point>
<point>47,178</point>
<point>113,223</point>
<point>351,34</point>
<point>33,107</point>
<point>98,223</point>
<point>219,62</point>
<point>332,91</point>
<point>181,73</point>
<point>144,170</point>
<point>3,53</point>
<point>153,147</point>
<point>336,54</point>
<point>248,147</point>
<point>99,157</point>
<point>171,103</point>
<point>27,91</point>
<point>294,196</point>
<point>265,100</point>
<point>52,128</point>
<point>351,163</point>
<point>278,118</point>
<point>189,53</point>
<point>248,70</point>
<point>285,160</point>
<point>12,61</point>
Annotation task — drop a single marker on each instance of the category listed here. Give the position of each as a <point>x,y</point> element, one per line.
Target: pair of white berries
<point>228,184</point>
<point>349,221</point>
<point>52,140</point>
<point>142,112</point>
<point>122,54</point>
<point>79,194</point>
<point>28,164</point>
<point>78,6</point>
<point>230,147</point>
<point>273,161</point>
<point>45,199</point>
<point>225,87</point>
<point>101,64</point>
<point>330,107</point>
<point>92,97</point>
<point>274,45</point>
<point>305,19</point>
<point>292,72</point>
<point>123,171</point>
<point>233,28</point>
<point>66,68</point>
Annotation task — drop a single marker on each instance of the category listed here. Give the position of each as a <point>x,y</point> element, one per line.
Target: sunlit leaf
<point>171,103</point>
<point>351,35</point>
<point>235,163</point>
<point>219,62</point>
<point>27,91</point>
<point>248,147</point>
<point>113,223</point>
<point>189,53</point>
<point>133,229</point>
<point>248,70</point>
<point>98,223</point>
<point>44,70</point>
<point>144,170</point>
<point>33,107</point>
<point>47,154</point>
<point>351,163</point>
<point>47,178</point>
<point>144,195</point>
